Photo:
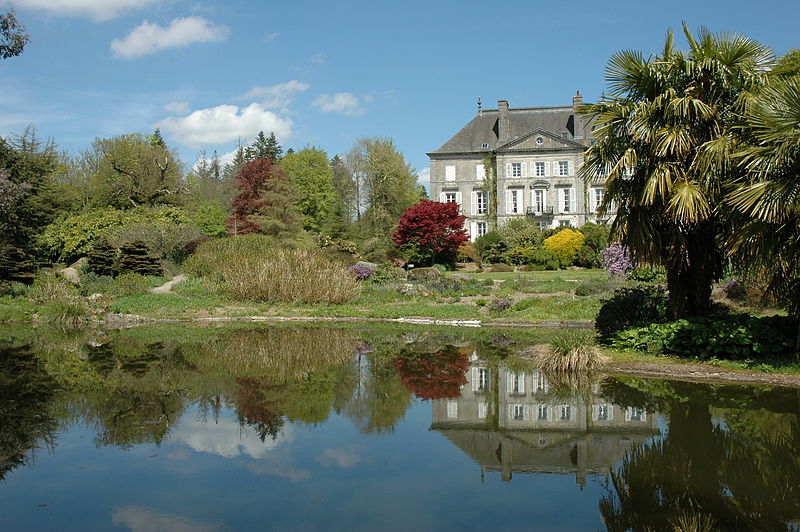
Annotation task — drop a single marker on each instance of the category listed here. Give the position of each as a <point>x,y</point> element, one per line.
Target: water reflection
<point>323,409</point>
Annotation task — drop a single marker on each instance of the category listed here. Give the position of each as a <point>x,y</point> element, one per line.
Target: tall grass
<point>253,267</point>
<point>571,351</point>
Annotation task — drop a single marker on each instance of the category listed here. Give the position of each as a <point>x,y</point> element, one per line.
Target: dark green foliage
<point>647,275</point>
<point>632,306</point>
<point>134,257</point>
<point>735,337</point>
<point>588,288</point>
<point>103,259</point>
<point>12,36</point>
<point>264,147</point>
<point>491,247</point>
<point>500,267</point>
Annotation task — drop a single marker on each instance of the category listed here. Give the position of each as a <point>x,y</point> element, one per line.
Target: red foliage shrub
<point>438,375</point>
<point>432,230</point>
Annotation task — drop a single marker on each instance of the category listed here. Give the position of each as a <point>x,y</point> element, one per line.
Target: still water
<point>244,427</point>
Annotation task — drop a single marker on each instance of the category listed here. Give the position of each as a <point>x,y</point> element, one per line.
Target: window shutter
<point>473,231</point>
<point>547,169</point>
<point>441,197</point>
<point>572,206</point>
<point>508,170</point>
<point>458,198</point>
<point>524,169</point>
<point>571,165</point>
<point>560,206</point>
<point>473,203</point>
<point>480,172</point>
<point>522,382</point>
<point>508,202</point>
<point>475,382</point>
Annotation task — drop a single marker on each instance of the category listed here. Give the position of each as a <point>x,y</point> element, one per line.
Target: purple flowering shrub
<point>499,305</point>
<point>616,259</point>
<point>362,273</point>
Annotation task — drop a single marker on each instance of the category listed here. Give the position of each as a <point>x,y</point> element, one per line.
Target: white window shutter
<point>508,202</point>
<point>524,169</point>
<point>560,206</point>
<point>473,231</point>
<point>458,198</point>
<point>473,203</point>
<point>509,382</point>
<point>571,165</point>
<point>522,382</point>
<point>442,197</point>
<point>475,381</point>
<point>547,169</point>
<point>508,170</point>
<point>572,206</point>
<point>480,172</point>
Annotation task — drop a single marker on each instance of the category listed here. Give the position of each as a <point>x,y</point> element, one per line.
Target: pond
<point>264,427</point>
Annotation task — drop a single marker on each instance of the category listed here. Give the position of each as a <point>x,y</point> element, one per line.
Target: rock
<point>70,274</point>
<point>408,289</point>
<point>423,274</point>
<point>370,265</point>
<point>166,288</point>
<point>460,277</point>
<point>80,264</point>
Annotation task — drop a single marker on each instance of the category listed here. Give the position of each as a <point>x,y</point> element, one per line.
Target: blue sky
<point>326,73</point>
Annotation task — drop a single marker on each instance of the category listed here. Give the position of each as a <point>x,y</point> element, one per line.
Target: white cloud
<point>224,123</point>
<point>344,458</point>
<point>276,96</point>
<point>150,38</point>
<point>139,519</point>
<point>95,9</point>
<point>271,37</point>
<point>342,102</point>
<point>318,58</point>
<point>179,108</point>
<point>424,177</point>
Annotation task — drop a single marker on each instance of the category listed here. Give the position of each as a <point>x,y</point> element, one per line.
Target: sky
<point>324,74</point>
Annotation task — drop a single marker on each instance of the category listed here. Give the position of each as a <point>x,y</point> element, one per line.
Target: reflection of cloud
<point>226,438</point>
<point>343,458</point>
<point>145,519</point>
<point>277,466</point>
<point>178,455</point>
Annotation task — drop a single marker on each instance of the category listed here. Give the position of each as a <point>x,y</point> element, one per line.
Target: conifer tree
<point>264,146</point>
<point>265,201</point>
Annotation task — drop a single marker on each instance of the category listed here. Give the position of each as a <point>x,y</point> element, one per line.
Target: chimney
<point>503,122</point>
<point>577,101</point>
<point>579,122</point>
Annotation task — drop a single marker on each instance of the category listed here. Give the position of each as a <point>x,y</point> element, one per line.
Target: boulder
<point>80,264</point>
<point>408,289</point>
<point>461,278</point>
<point>424,274</point>
<point>70,274</point>
<point>369,265</point>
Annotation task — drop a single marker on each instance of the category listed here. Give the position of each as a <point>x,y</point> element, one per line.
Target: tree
<point>265,202</point>
<point>664,147</point>
<point>311,178</point>
<point>264,146</point>
<point>788,64</point>
<point>767,202</point>
<point>135,170</point>
<point>432,231</point>
<point>12,36</point>
<point>385,185</point>
<point>345,207</point>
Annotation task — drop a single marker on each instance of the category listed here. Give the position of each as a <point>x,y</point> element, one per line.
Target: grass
<point>576,275</point>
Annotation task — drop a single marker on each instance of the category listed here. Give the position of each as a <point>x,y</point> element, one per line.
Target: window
<point>566,199</point>
<point>542,412</point>
<point>449,173</point>
<point>563,168</point>
<point>450,197</point>
<point>452,409</point>
<point>480,172</point>
<point>516,412</point>
<point>565,223</point>
<point>596,198</point>
<point>541,226</point>
<point>514,201</point>
<point>485,145</point>
<point>635,414</point>
<point>480,229</point>
<point>516,383</point>
<point>481,201</point>
<point>482,410</point>
<point>539,140</point>
<point>565,412</point>
<point>516,169</point>
<point>541,382</point>
<point>604,412</point>
<point>538,169</point>
<point>480,379</point>
<point>539,199</point>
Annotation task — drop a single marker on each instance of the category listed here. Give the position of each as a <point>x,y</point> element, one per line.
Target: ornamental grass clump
<point>287,276</point>
<point>571,351</point>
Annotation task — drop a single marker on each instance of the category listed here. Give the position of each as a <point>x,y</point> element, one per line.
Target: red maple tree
<point>265,201</point>
<point>431,230</point>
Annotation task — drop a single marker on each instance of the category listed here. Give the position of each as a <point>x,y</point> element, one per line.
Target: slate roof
<point>483,129</point>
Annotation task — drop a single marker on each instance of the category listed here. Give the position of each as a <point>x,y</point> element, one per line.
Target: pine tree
<point>264,146</point>
<point>265,202</point>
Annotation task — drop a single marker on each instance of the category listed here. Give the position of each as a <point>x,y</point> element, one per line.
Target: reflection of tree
<point>256,409</point>
<point>705,470</point>
<point>379,400</point>
<point>437,375</point>
<point>26,423</point>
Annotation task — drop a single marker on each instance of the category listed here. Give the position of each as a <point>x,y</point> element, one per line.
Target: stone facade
<point>538,151</point>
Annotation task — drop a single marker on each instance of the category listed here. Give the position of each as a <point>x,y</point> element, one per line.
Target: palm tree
<point>767,202</point>
<point>664,148</point>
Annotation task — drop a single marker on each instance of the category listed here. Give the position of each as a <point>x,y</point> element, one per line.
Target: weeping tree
<point>664,146</point>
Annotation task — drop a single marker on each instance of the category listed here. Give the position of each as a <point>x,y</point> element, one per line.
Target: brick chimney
<point>503,122</point>
<point>579,123</point>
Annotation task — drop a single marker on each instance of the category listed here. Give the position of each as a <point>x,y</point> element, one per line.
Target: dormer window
<point>540,140</point>
<point>485,145</point>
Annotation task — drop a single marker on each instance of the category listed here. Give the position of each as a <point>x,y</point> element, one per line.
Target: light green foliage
<point>73,236</point>
<point>520,232</point>
<point>565,244</point>
<point>49,286</point>
<point>166,240</point>
<point>134,170</point>
<point>311,177</point>
<point>129,284</point>
<point>207,183</point>
<point>788,64</point>
<point>210,217</point>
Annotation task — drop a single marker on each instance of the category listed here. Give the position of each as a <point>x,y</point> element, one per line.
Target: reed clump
<point>571,351</point>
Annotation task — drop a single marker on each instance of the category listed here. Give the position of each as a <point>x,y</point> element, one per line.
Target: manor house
<point>538,153</point>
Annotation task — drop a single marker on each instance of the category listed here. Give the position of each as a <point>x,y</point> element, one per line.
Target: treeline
<point>133,190</point>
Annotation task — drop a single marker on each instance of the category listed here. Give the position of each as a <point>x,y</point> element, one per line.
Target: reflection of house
<point>511,422</point>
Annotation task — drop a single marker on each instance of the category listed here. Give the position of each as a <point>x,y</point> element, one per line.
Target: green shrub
<point>49,286</point>
<point>592,287</point>
<point>734,337</point>
<point>208,256</point>
<point>129,284</point>
<point>491,247</point>
<point>552,265</point>
<point>632,306</point>
<point>72,309</point>
<point>386,273</point>
<point>647,275</point>
<point>13,289</point>
<point>499,267</point>
<point>91,283</point>
<point>165,240</point>
<point>525,304</point>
